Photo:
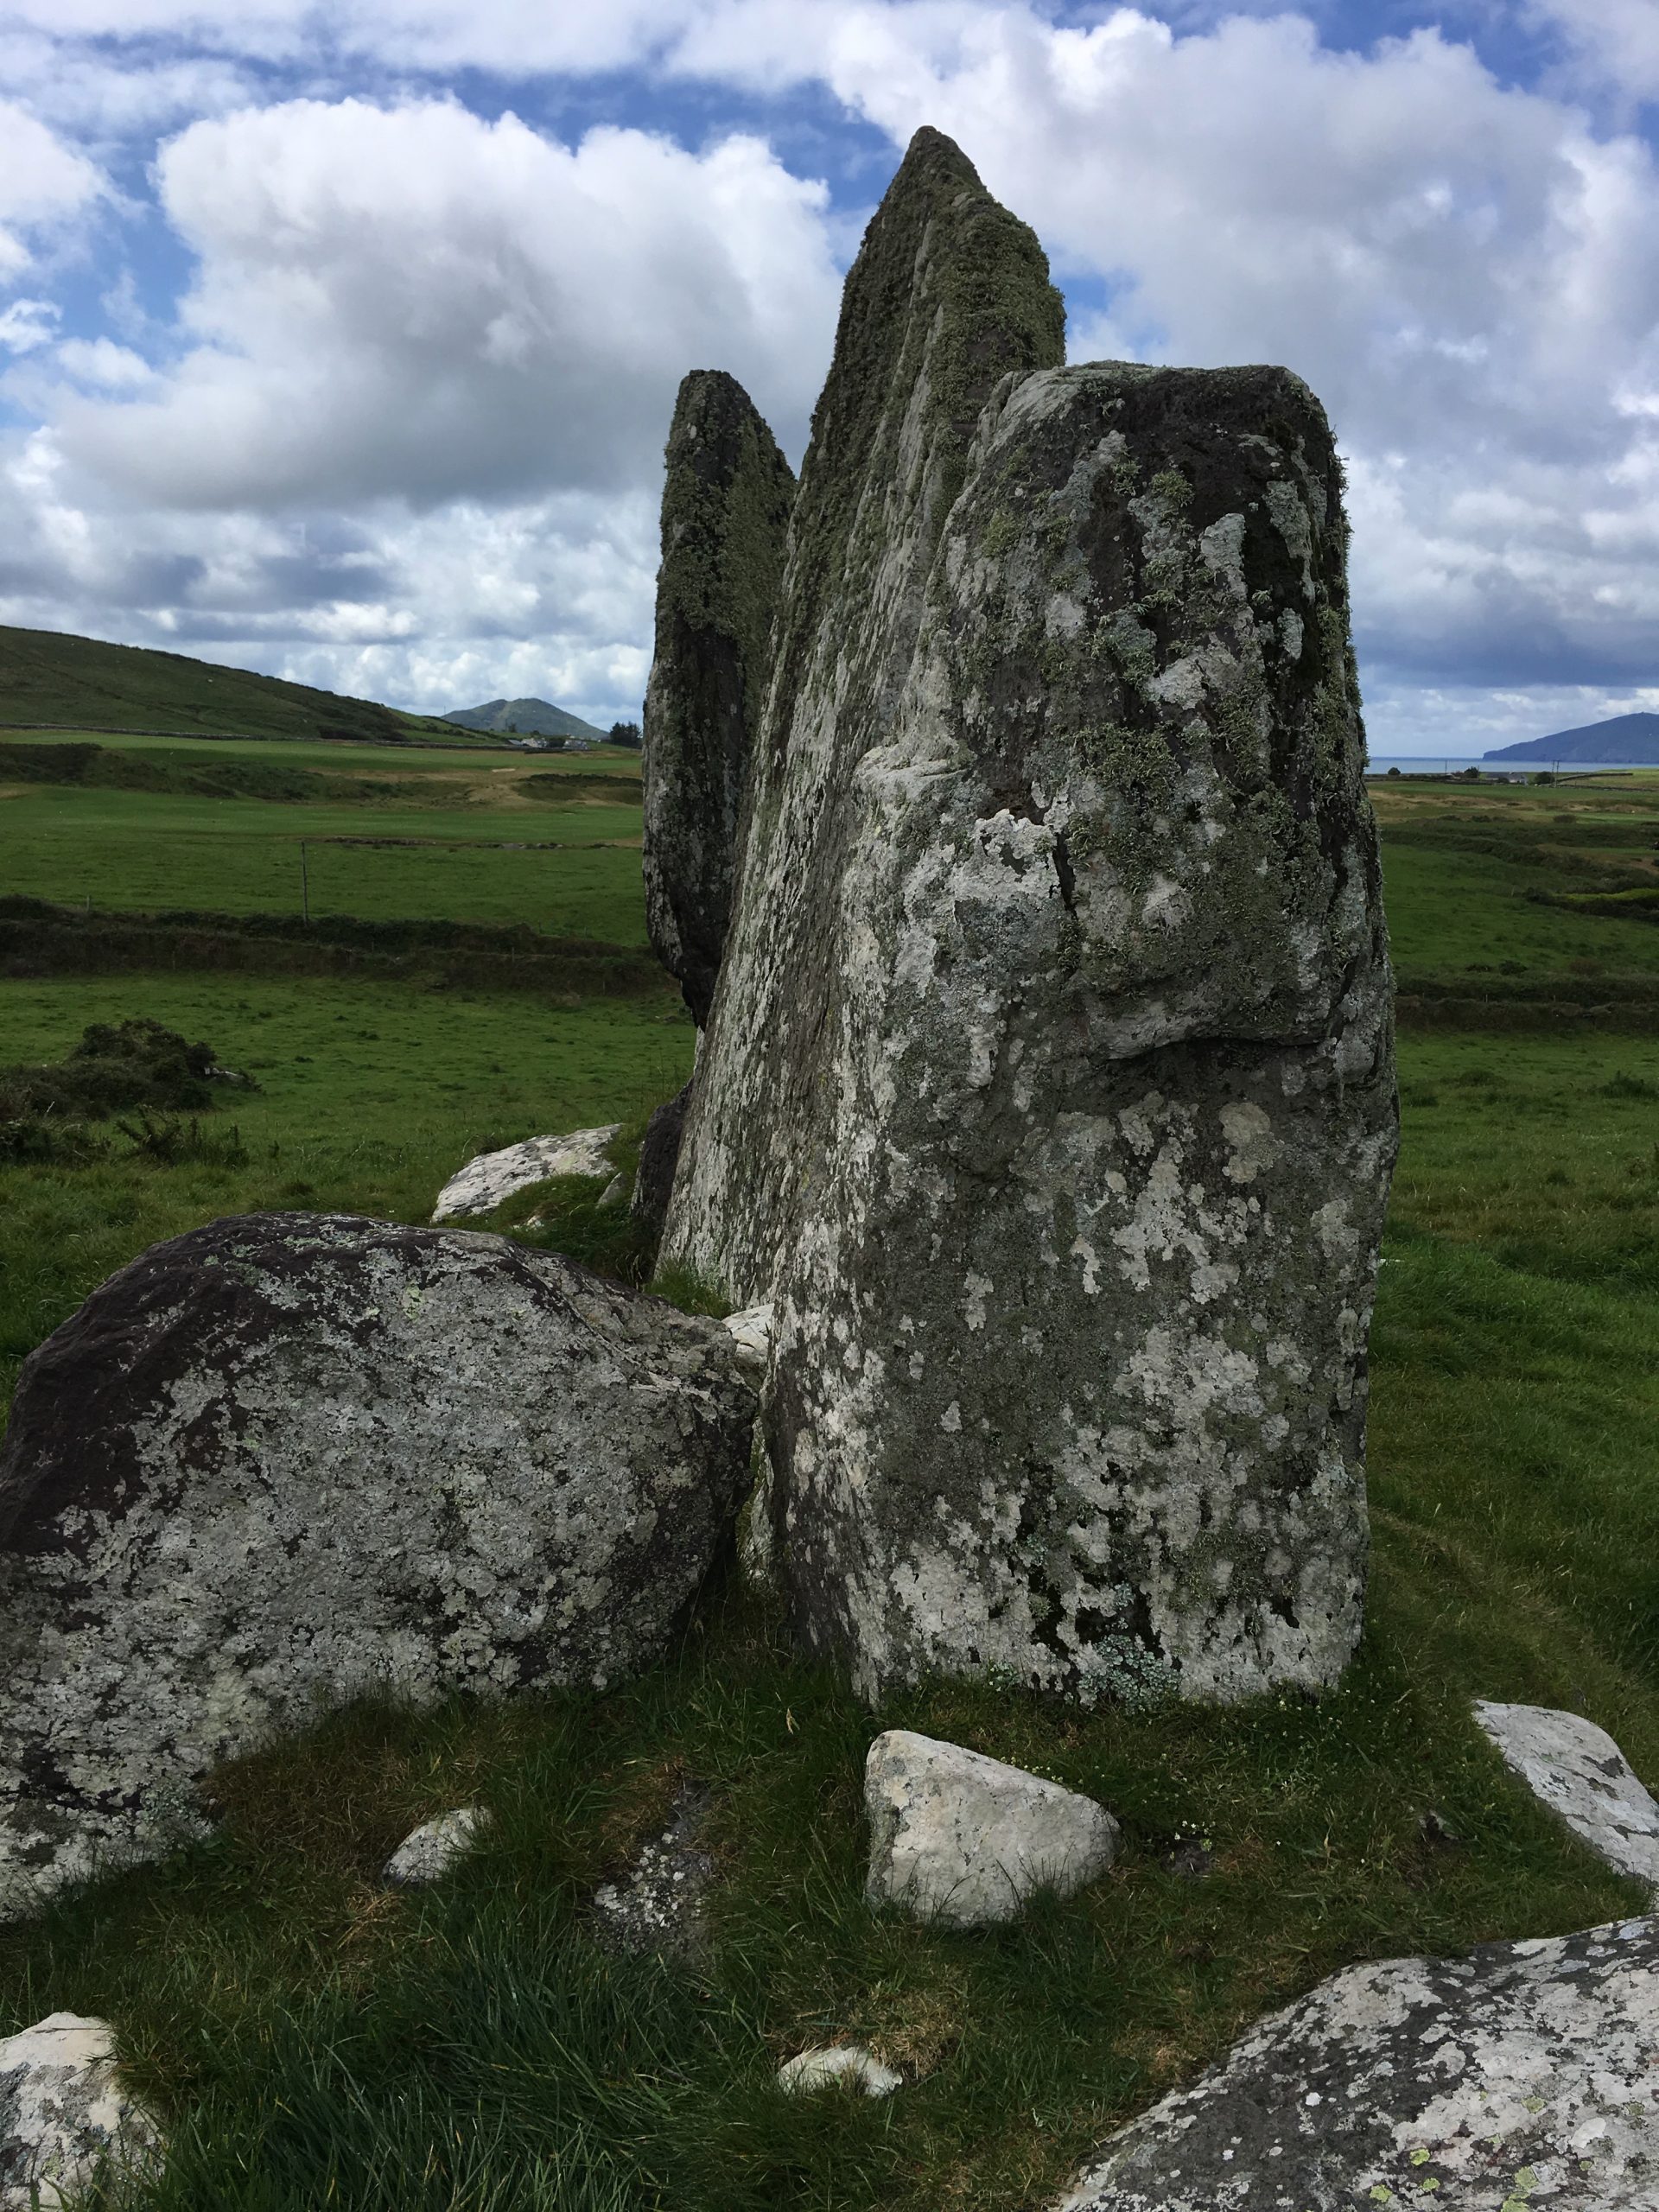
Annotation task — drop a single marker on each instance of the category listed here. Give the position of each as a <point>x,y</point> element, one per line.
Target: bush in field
<point>118,1067</point>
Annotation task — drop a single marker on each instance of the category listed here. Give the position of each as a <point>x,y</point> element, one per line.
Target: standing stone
<point>1050,1095</point>
<point>725,507</point>
<point>290,1459</point>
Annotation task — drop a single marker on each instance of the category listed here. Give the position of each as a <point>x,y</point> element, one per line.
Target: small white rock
<point>840,2065</point>
<point>62,2113</point>
<point>751,1332</point>
<point>436,1847</point>
<point>1578,1772</point>
<point>959,1838</point>
<point>483,1183</point>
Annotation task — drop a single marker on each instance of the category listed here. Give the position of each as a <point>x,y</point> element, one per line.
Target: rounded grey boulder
<point>289,1460</point>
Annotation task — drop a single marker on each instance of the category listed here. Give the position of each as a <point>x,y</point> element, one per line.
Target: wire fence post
<point>305,886</point>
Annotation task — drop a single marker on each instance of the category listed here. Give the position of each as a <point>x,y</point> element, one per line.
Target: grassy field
<point>1468,870</point>
<point>536,839</point>
<point>315,2041</point>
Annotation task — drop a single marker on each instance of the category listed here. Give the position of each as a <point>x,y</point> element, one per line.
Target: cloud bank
<point>397,427</point>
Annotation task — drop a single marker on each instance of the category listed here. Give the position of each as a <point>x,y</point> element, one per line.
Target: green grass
<point>460,758</point>
<point>576,873</point>
<point>369,1097</point>
<point>315,2041</point>
<point>1459,865</point>
<point>388,835</point>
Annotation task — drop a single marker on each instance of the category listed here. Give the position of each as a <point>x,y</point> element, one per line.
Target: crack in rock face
<point>726,502</point>
<point>290,1459</point>
<point>1048,1092</point>
<point>1521,2074</point>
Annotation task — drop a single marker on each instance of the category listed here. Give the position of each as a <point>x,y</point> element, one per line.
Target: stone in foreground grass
<point>1469,2083</point>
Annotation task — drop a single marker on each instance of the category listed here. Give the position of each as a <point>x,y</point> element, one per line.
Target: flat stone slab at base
<point>63,2116</point>
<point>1578,1772</point>
<point>843,2065</point>
<point>1523,2075</point>
<point>657,1905</point>
<point>483,1183</point>
<point>432,1849</point>
<point>964,1839</point>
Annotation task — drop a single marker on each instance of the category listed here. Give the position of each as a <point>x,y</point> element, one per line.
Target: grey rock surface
<point>750,1330</point>
<point>482,1184</point>
<point>428,1853</point>
<point>1048,1092</point>
<point>1520,2075</point>
<point>964,1839</point>
<point>658,1904</point>
<point>65,2120</point>
<point>727,498</point>
<point>836,2066</point>
<point>660,1154</point>
<point>293,1458</point>
<point>1578,1772</point>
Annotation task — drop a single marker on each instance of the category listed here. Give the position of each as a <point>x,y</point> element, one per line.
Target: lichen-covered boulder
<point>726,505</point>
<point>1521,2074</point>
<point>289,1460</point>
<point>1049,1091</point>
<point>65,2122</point>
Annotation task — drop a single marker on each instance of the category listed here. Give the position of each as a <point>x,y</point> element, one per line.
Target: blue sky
<point>342,342</point>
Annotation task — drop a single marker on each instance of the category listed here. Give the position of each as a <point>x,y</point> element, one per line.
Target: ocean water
<point>1454,764</point>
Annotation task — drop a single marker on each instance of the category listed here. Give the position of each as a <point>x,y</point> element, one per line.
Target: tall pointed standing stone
<point>1048,1092</point>
<point>726,502</point>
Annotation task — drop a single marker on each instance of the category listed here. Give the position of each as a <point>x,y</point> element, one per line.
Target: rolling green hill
<point>51,679</point>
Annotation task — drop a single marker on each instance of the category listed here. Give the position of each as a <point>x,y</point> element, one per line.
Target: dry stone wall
<point>1048,1092</point>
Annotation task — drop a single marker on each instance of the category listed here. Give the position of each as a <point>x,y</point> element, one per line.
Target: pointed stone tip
<point>933,150</point>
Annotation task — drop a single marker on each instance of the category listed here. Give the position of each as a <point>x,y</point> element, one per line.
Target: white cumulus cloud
<point>411,300</point>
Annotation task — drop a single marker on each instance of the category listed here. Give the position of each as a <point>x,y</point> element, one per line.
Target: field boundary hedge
<point>39,939</point>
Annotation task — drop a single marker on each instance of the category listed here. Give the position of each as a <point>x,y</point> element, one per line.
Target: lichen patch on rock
<point>1521,2074</point>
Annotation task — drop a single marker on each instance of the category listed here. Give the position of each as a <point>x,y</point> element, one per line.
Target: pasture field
<point>1469,871</point>
<point>315,2040</point>
<point>539,838</point>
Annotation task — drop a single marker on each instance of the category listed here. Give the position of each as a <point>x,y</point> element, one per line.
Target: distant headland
<point>1628,738</point>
